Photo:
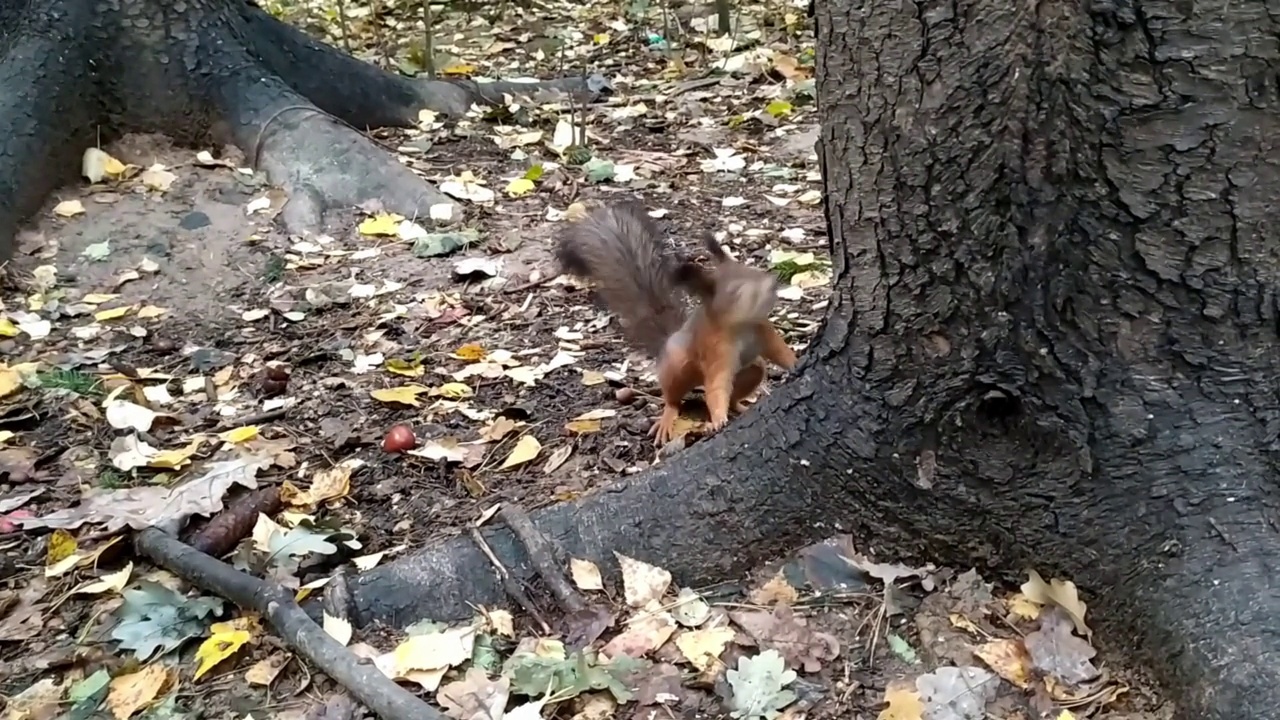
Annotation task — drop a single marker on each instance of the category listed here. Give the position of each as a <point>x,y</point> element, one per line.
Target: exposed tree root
<point>73,72</point>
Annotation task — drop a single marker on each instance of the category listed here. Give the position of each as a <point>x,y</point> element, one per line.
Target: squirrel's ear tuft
<point>695,279</point>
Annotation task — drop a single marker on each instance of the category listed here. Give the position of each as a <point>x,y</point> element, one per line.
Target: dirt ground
<point>243,325</point>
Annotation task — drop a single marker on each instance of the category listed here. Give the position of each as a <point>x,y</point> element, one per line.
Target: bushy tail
<point>620,249</point>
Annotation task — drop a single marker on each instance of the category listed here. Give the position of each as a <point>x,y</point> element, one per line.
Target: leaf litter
<point>513,381</point>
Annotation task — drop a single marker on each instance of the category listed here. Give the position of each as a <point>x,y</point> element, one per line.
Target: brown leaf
<point>1056,652</point>
<point>658,684</point>
<point>790,636</point>
<point>20,612</point>
<point>1009,659</point>
<point>475,696</point>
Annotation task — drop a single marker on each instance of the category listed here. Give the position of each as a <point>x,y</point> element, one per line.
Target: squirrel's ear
<point>713,248</point>
<point>695,278</point>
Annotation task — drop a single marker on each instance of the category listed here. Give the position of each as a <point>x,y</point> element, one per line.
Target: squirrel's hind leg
<point>676,379</point>
<point>748,379</point>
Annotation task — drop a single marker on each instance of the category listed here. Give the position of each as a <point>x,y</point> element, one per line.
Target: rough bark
<point>77,72</point>
<point>1052,340</point>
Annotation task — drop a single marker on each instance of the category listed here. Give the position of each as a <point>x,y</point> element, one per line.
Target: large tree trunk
<point>1052,340</point>
<point>76,72</point>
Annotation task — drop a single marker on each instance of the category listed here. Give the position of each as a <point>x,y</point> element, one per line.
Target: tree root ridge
<point>77,72</point>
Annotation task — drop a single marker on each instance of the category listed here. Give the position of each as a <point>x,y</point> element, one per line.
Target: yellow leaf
<point>702,648</point>
<point>62,545</point>
<point>458,70</point>
<point>174,459</point>
<point>130,693</point>
<point>470,352</point>
<point>405,394</point>
<point>240,434</point>
<point>113,166</point>
<point>6,436</point>
<point>7,328</point>
<point>330,484</point>
<point>1023,607</point>
<point>1066,715</point>
<point>113,313</point>
<point>10,381</point>
<point>526,449</point>
<point>520,187</point>
<point>1058,592</point>
<point>582,427</point>
<point>381,224</point>
<point>601,38</point>
<point>454,390</point>
<point>150,311</point>
<point>219,647</point>
<point>404,367</point>
<point>903,703</point>
<point>99,298</point>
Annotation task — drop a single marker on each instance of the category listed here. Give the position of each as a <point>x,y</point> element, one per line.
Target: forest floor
<point>161,328</point>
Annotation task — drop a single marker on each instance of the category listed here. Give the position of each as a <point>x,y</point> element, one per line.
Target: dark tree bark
<point>1052,340</point>
<point>75,72</point>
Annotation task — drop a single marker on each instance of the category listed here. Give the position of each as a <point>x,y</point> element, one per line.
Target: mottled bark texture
<point>1052,341</point>
<point>77,72</point>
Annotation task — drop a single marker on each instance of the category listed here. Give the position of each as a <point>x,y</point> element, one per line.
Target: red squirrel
<point>721,343</point>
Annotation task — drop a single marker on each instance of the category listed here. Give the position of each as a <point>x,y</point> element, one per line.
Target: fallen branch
<point>364,681</point>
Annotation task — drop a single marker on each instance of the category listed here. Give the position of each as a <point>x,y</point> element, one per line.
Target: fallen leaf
<point>902,703</point>
<point>475,696</point>
<point>122,414</point>
<point>1008,658</point>
<point>1061,593</point>
<point>147,506</point>
<point>130,693</point>
<point>702,648</point>
<point>222,644</point>
<point>111,582</point>
<point>405,394</point>
<point>240,434</point>
<point>264,671</point>
<point>585,574</point>
<point>642,583</point>
<point>526,449</point>
<point>337,628</point>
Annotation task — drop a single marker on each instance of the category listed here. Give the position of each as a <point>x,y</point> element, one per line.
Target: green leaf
<point>598,170</point>
<point>903,649</point>
<point>153,617</point>
<point>300,541</point>
<point>86,696</point>
<point>758,686</point>
<point>98,251</point>
<point>436,244</point>
<point>778,108</point>
<point>534,173</point>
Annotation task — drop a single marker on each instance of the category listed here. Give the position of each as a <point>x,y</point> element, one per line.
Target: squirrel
<point>722,343</point>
